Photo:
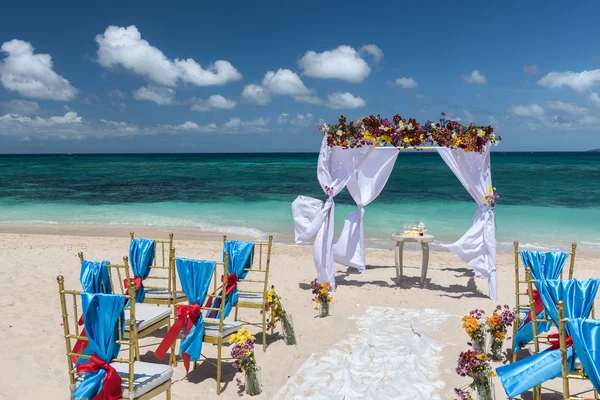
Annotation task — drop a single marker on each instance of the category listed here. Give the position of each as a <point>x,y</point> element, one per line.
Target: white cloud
<point>373,51</point>
<point>284,82</point>
<point>594,98</point>
<point>475,78</point>
<point>21,107</point>
<point>91,99</point>
<point>120,46</point>
<point>117,93</point>
<point>118,106</point>
<point>309,100</point>
<point>579,81</point>
<point>193,127</point>
<point>345,100</point>
<point>298,120</point>
<point>255,94</point>
<point>531,69</point>
<point>527,110</point>
<point>342,63</point>
<point>569,108</point>
<point>214,102</point>
<point>404,83</point>
<point>159,95</point>
<point>31,75</point>
<point>237,124</point>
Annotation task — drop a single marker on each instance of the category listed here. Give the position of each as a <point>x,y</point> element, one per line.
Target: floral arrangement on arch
<point>402,133</point>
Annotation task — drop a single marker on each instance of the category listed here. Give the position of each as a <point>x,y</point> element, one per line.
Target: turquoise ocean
<point>547,200</point>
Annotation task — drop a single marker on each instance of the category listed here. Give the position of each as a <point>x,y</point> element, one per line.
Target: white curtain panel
<point>364,186</point>
<point>315,217</point>
<point>477,247</point>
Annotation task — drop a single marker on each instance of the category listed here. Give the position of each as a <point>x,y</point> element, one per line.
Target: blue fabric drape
<point>195,276</point>
<point>586,338</point>
<point>101,313</point>
<point>141,254</point>
<point>94,277</point>
<point>543,265</point>
<point>578,297</point>
<point>241,257</point>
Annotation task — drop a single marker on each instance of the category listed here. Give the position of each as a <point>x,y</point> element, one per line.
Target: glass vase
<point>323,309</point>
<point>287,327</point>
<point>481,343</point>
<point>485,391</point>
<point>495,349</point>
<point>252,376</point>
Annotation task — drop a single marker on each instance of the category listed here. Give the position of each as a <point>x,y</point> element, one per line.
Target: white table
<point>424,240</point>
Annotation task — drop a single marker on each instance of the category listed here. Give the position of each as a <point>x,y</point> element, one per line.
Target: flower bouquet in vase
<point>477,367</point>
<point>278,313</point>
<point>475,324</point>
<point>498,325</point>
<point>322,297</point>
<point>243,353</point>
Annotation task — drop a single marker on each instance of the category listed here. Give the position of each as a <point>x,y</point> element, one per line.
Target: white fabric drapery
<point>364,186</point>
<point>315,217</point>
<point>477,247</point>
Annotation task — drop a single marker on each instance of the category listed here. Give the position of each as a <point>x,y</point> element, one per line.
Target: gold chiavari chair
<point>149,317</point>
<point>216,330</point>
<point>259,278</point>
<point>522,307</point>
<point>140,380</point>
<point>164,272</point>
<point>540,340</point>
<point>578,372</point>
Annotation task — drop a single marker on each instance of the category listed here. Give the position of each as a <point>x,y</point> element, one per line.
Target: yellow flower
<point>489,190</point>
<point>359,122</point>
<point>323,291</point>
<point>481,356</point>
<point>493,374</point>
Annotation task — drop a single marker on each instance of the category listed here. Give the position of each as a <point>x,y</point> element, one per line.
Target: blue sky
<point>260,76</point>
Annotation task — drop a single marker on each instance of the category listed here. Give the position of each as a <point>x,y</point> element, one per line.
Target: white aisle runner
<point>389,357</point>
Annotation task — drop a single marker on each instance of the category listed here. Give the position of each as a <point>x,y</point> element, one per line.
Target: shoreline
<point>122,231</point>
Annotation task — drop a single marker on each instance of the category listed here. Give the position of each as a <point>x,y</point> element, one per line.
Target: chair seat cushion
<point>147,376</point>
<point>254,298</point>
<point>212,329</point>
<point>162,294</point>
<point>147,315</point>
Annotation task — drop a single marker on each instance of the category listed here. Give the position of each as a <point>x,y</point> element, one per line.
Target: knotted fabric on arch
<point>315,217</point>
<point>477,247</point>
<point>364,186</point>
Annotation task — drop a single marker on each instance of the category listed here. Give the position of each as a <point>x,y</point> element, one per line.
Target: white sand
<point>33,362</point>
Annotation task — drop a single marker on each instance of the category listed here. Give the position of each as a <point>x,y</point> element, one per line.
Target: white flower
<point>401,125</point>
<point>480,132</point>
<point>482,321</point>
<point>432,125</point>
<point>454,136</point>
<point>339,132</point>
<point>410,127</point>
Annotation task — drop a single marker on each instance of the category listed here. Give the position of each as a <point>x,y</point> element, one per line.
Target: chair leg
<point>219,367</point>
<point>137,349</point>
<point>264,331</point>
<point>515,328</point>
<point>169,394</point>
<point>236,313</point>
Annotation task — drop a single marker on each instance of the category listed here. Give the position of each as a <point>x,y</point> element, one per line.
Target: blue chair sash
<point>578,297</point>
<point>141,254</point>
<point>241,257</point>
<point>101,314</point>
<point>94,277</point>
<point>586,338</point>
<point>543,265</point>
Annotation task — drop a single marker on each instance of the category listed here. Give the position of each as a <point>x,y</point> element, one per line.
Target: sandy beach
<point>33,347</point>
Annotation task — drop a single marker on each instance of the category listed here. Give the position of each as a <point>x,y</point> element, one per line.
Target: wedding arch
<point>361,156</point>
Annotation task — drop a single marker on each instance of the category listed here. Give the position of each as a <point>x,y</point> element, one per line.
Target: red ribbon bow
<point>80,345</point>
<point>137,280</point>
<point>538,306</point>
<point>231,283</point>
<point>554,339</point>
<point>186,316</point>
<point>111,385</point>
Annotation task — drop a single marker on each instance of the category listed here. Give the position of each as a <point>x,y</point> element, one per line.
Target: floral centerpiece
<point>322,296</point>
<point>491,198</point>
<point>403,133</point>
<point>475,324</point>
<point>498,325</point>
<point>477,367</point>
<point>278,313</point>
<point>243,353</point>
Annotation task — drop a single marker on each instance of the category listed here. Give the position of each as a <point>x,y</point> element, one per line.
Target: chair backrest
<point>521,299</point>
<point>220,297</point>
<point>260,267</point>
<point>163,273</point>
<point>71,296</point>
<point>118,272</point>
